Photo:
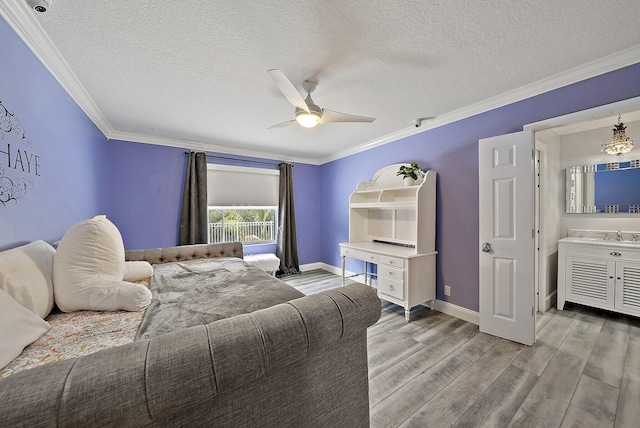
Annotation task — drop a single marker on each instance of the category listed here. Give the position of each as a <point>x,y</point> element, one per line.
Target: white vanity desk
<point>598,272</point>
<point>403,277</point>
<point>393,226</point>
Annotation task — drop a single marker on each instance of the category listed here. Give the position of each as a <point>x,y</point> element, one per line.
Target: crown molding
<point>595,68</point>
<point>24,23</point>
<point>204,147</point>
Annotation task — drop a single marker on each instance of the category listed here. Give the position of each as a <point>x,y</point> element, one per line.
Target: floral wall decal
<point>18,163</point>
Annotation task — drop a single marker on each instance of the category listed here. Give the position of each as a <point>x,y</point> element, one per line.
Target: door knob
<point>486,247</point>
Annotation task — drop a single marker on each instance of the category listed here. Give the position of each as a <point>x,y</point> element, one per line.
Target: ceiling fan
<point>308,113</point>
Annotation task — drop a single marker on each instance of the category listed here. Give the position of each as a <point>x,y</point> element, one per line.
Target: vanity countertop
<point>600,242</point>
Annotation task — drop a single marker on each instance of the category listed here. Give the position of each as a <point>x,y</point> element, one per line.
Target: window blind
<point>237,185</point>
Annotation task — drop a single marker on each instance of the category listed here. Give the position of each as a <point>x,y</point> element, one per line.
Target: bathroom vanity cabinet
<point>599,273</point>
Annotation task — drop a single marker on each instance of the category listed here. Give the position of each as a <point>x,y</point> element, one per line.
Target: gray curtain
<point>193,215</point>
<point>287,244</point>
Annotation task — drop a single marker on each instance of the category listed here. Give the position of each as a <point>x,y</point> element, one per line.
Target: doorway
<point>547,224</point>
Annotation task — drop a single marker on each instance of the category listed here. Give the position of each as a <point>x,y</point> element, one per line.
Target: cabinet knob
<point>390,287</point>
<point>615,253</point>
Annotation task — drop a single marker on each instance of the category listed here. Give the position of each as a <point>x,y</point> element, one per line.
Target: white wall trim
<point>212,148</point>
<point>549,301</point>
<point>457,311</point>
<point>313,266</point>
<point>24,23</point>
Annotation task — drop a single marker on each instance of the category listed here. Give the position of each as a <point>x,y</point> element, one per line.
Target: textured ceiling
<point>195,71</point>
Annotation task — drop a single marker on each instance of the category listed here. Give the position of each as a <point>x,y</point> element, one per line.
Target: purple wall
<point>452,151</point>
<point>72,152</point>
<point>145,193</point>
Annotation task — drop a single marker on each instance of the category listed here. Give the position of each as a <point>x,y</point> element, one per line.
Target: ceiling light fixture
<point>311,118</point>
<point>619,144</point>
<point>307,120</point>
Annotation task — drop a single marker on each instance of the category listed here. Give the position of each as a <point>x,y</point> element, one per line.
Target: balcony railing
<point>246,232</point>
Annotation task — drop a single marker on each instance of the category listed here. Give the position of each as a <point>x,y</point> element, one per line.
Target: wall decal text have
<point>18,163</point>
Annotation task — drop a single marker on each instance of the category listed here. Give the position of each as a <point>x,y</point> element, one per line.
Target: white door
<point>506,237</point>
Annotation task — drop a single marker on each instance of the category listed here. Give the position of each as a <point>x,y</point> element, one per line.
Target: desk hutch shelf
<point>393,226</point>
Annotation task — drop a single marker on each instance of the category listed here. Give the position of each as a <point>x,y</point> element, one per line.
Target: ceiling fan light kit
<point>312,117</point>
<point>308,114</point>
<point>307,120</point>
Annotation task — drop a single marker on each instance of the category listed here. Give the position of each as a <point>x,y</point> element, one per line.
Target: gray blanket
<point>205,290</point>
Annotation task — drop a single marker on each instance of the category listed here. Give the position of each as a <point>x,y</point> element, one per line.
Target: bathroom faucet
<point>619,236</point>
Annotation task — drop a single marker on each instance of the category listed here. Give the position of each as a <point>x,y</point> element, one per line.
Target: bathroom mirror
<point>603,188</point>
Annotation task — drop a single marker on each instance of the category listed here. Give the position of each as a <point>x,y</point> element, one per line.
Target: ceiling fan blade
<point>288,90</point>
<point>282,124</point>
<point>329,116</point>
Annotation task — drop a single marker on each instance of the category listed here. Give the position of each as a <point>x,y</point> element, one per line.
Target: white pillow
<point>88,269</point>
<point>19,327</point>
<point>26,274</point>
<point>137,270</point>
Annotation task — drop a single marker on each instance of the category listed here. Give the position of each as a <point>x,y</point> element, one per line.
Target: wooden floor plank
<point>403,402</point>
<point>549,398</point>
<point>542,318</point>
<point>628,411</point>
<point>606,361</point>
<point>388,358</point>
<point>535,358</point>
<point>382,385</point>
<point>436,331</point>
<point>383,342</point>
<point>497,405</point>
<point>593,405</point>
<point>446,407</point>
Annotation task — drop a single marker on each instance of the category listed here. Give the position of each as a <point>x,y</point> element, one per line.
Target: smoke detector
<point>39,5</point>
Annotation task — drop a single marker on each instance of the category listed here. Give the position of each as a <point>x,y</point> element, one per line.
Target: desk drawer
<point>391,261</point>
<point>389,272</point>
<point>361,255</point>
<point>391,287</point>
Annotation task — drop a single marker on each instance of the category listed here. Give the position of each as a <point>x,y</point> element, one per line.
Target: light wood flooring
<point>437,370</point>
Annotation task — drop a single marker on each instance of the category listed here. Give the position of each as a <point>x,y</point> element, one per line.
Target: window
<point>249,225</point>
<point>243,204</point>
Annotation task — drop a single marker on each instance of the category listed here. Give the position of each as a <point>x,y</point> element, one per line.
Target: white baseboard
<point>440,305</point>
<point>549,302</point>
<point>457,311</point>
<point>335,270</point>
<point>314,266</point>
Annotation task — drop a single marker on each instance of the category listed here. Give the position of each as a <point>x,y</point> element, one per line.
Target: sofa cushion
<point>88,270</point>
<point>137,270</point>
<point>26,274</point>
<point>18,328</point>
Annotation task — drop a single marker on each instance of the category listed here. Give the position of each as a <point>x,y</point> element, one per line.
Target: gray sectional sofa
<point>297,363</point>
